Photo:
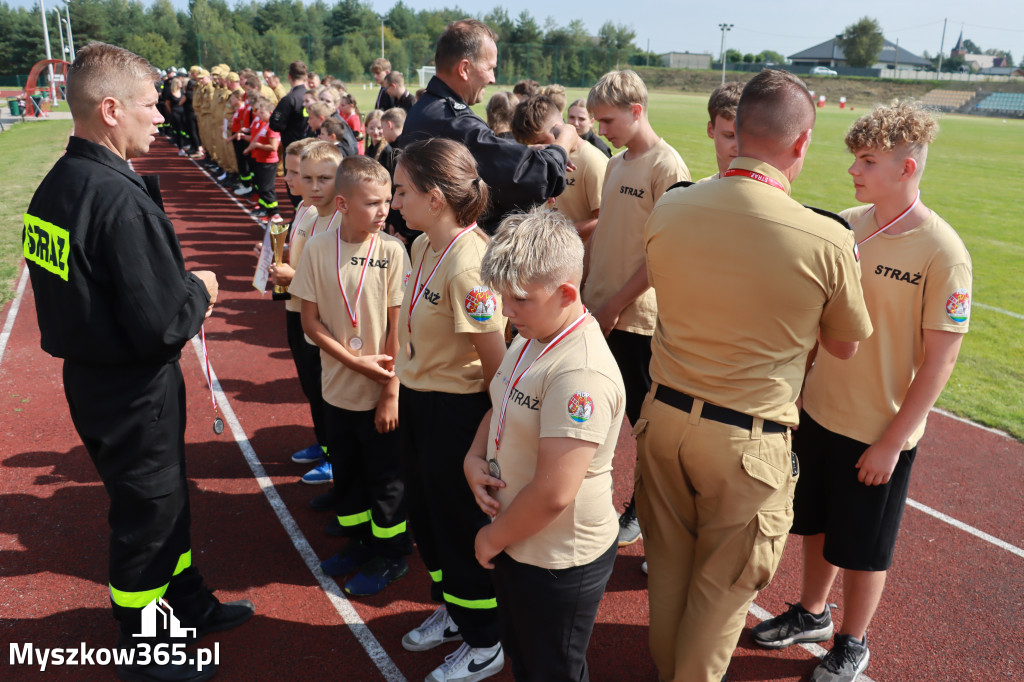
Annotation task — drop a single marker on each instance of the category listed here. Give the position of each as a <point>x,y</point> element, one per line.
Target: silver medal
<point>218,425</point>
<point>494,469</point>
<point>408,347</point>
<point>355,343</point>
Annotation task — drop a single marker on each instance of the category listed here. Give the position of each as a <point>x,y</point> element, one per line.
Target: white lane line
<point>998,310</point>
<point>1002,544</point>
<point>976,425</point>
<point>12,312</point>
<point>334,593</point>
<point>815,650</point>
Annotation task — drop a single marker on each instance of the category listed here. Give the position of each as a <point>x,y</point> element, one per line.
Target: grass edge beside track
<point>28,151</point>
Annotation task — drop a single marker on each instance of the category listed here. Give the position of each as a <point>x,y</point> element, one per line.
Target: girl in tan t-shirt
<point>451,340</point>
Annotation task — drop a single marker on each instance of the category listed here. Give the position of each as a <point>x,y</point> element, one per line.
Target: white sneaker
<point>242,191</point>
<point>468,664</point>
<point>435,631</point>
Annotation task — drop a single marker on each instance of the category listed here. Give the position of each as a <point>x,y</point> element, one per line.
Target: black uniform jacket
<point>107,271</point>
<point>289,117</point>
<point>519,177</point>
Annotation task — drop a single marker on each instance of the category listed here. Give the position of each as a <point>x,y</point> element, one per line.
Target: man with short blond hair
<point>716,473</point>
<point>115,302</point>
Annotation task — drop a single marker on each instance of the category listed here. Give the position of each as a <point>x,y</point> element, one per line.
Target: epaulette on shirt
<point>682,183</point>
<point>458,107</point>
<point>829,214</point>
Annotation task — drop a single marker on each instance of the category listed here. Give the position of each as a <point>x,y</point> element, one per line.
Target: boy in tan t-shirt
<point>318,166</point>
<point>722,125</point>
<point>532,123</point>
<point>351,282</point>
<point>862,418</point>
<point>615,286</point>
<point>542,470</point>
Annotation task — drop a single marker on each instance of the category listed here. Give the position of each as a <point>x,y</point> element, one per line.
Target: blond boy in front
<point>615,285</point>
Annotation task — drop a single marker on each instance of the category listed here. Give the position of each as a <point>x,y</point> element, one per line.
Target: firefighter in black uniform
<point>519,176</point>
<point>289,117</point>
<point>114,301</point>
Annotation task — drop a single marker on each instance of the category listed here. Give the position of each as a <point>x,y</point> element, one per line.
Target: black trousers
<point>437,430</point>
<point>369,493</point>
<point>245,162</point>
<point>547,616</point>
<point>632,353</point>
<point>307,365</point>
<point>132,423</point>
<point>264,176</point>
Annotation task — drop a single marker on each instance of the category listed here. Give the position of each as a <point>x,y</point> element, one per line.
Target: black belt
<point>683,402</point>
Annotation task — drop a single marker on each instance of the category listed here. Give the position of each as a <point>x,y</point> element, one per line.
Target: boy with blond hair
<point>541,468</point>
<point>615,273</point>
<point>532,123</point>
<point>863,418</point>
<point>351,282</point>
<point>318,167</point>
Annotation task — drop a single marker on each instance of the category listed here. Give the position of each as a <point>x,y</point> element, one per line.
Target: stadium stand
<point>947,100</point>
<point>1010,103</point>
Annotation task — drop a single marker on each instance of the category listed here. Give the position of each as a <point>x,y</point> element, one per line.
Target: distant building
<point>830,53</point>
<point>685,60</point>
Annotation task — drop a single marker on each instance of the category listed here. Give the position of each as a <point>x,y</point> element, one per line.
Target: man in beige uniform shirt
<point>747,280</point>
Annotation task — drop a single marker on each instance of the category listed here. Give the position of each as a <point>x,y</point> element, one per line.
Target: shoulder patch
<point>47,245</point>
<point>481,303</point>
<point>958,306</point>
<point>580,407</point>
<point>680,185</point>
<point>405,279</point>
<point>829,214</point>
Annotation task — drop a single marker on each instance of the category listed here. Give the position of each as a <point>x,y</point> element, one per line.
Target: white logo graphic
<point>158,613</point>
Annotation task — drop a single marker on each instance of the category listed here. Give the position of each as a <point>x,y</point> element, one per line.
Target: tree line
<point>341,38</point>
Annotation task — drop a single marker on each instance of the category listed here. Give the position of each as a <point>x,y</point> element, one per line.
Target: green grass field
<point>974,179</point>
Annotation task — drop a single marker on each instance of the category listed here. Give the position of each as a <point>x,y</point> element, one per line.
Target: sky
<point>786,26</point>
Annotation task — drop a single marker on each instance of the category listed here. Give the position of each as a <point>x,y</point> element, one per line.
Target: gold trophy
<point>278,237</point>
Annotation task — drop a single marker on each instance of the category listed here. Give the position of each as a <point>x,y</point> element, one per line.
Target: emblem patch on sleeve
<point>581,407</point>
<point>405,280</point>
<point>481,304</point>
<point>958,306</point>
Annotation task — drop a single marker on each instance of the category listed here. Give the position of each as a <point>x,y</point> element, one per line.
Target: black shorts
<point>860,522</point>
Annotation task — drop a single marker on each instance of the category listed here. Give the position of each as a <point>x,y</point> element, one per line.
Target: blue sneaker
<point>355,554</point>
<point>319,474</point>
<point>314,454</point>
<point>375,576</point>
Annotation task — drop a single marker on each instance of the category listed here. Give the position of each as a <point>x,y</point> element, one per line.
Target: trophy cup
<point>278,237</point>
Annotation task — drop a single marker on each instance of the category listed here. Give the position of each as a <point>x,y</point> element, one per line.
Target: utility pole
<point>60,29</point>
<point>46,41</point>
<point>724,28</point>
<point>942,46</point>
<point>896,57</point>
<point>382,37</point>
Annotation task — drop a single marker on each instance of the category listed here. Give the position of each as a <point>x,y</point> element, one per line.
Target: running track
<point>951,611</point>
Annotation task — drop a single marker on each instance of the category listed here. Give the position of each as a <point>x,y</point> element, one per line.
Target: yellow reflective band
<point>47,246</point>
<point>491,603</point>
<point>435,576</point>
<point>385,533</point>
<point>135,600</point>
<point>184,561</point>
<point>354,519</point>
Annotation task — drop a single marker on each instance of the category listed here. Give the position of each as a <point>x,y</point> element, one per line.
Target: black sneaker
<point>845,662</point>
<point>259,213</point>
<point>324,502</point>
<point>629,527</point>
<point>792,627</point>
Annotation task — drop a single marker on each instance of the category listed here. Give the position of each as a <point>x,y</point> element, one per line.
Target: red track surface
<point>951,609</point>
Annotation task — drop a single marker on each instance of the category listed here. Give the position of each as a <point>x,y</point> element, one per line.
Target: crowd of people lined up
<point>474,313</point>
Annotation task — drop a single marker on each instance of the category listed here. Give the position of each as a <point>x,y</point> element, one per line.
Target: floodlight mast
<point>724,28</point>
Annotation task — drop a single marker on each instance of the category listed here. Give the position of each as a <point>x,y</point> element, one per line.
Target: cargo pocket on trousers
<point>769,542</point>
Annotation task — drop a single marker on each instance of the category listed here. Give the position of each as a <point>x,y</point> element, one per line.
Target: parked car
<point>823,71</point>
